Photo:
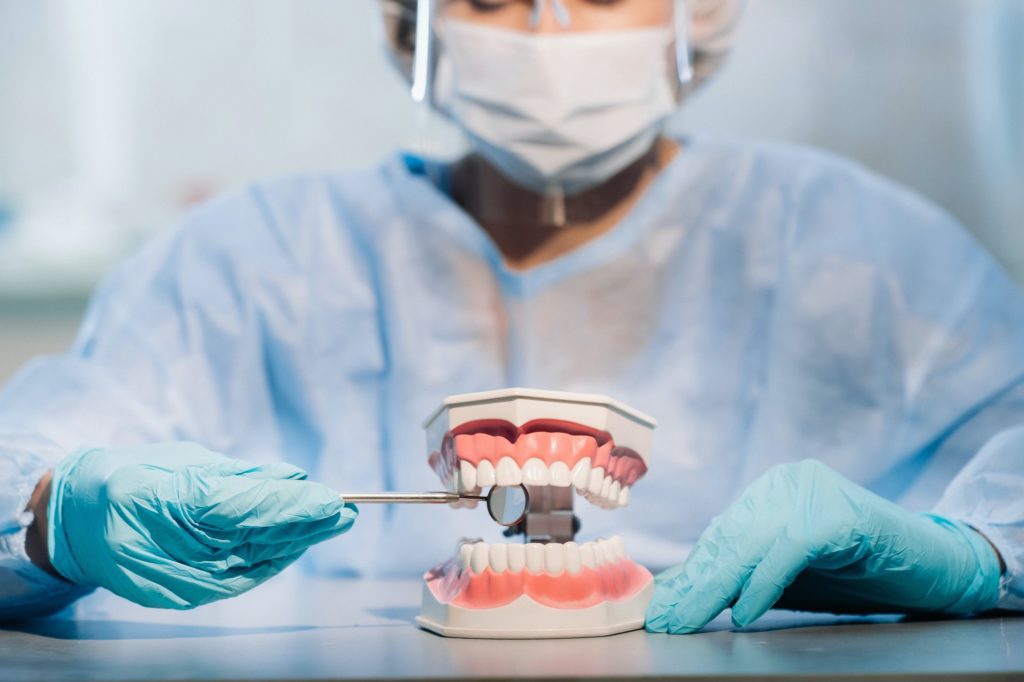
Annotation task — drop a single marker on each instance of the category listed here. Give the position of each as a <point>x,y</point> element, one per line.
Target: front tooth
<point>508,472</point>
<point>581,474</point>
<point>499,558</point>
<point>613,493</point>
<point>467,472</point>
<point>606,486</point>
<point>465,553</point>
<point>535,557</point>
<point>479,560</point>
<point>560,476</point>
<point>611,551</point>
<point>535,472</point>
<point>596,480</point>
<point>516,558</point>
<point>484,474</point>
<point>624,496</point>
<point>573,562</point>
<point>619,546</point>
<point>554,561</point>
<point>587,557</point>
<point>599,557</point>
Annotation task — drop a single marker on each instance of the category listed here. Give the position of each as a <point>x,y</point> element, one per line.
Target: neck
<point>530,228</point>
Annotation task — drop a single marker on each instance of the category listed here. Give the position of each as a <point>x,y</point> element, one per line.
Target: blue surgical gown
<point>764,303</point>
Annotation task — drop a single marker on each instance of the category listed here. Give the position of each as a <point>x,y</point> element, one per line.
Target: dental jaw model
<point>558,445</point>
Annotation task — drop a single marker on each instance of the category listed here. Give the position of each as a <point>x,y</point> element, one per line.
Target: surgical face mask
<point>557,114</point>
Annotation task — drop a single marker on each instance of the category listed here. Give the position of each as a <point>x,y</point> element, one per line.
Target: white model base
<point>526,619</point>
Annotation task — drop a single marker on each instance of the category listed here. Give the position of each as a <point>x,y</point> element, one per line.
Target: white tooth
<point>484,474</point>
<point>581,474</point>
<point>619,546</point>
<point>508,472</point>
<point>516,558</point>
<point>624,496</point>
<point>596,479</point>
<point>607,501</point>
<point>560,476</point>
<point>535,472</point>
<point>610,555</point>
<point>499,558</point>
<point>535,557</point>
<point>573,562</point>
<point>554,561</point>
<point>467,473</point>
<point>465,552</point>
<point>599,557</point>
<point>479,560</point>
<point>587,557</point>
<point>613,493</point>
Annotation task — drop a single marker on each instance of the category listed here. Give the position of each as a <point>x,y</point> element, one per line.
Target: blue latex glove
<point>177,526</point>
<point>831,546</point>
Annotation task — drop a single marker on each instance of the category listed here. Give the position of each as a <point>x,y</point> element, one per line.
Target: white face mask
<point>557,113</point>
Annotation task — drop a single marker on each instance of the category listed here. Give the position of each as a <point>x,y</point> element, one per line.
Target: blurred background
<point>116,115</point>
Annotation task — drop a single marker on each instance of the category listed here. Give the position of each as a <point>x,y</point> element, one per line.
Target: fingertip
<point>750,607</point>
<point>684,627</point>
<point>656,618</point>
<point>657,627</point>
<point>682,630</point>
<point>693,612</point>
<point>347,518</point>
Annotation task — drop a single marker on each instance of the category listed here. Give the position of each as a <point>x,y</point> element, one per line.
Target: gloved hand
<point>853,551</point>
<point>177,526</point>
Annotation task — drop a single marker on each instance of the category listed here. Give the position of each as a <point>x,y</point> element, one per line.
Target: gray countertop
<point>299,628</point>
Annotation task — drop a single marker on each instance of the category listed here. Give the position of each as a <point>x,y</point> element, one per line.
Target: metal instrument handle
<point>407,498</point>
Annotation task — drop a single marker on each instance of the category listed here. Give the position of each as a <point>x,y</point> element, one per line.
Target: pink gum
<point>610,582</point>
<point>550,447</point>
<point>621,464</point>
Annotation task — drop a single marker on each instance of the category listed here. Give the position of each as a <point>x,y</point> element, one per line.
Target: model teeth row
<point>590,482</point>
<point>552,558</point>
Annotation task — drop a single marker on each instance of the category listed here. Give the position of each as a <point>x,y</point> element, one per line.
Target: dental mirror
<point>507,505</point>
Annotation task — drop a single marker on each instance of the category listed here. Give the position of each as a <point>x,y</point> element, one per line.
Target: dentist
<point>827,352</point>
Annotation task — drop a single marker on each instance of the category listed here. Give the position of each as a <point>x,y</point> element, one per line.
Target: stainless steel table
<point>297,628</point>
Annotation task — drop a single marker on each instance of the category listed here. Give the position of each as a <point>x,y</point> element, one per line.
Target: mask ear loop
<point>684,61</point>
<point>426,135</point>
<point>423,57</point>
<point>561,13</point>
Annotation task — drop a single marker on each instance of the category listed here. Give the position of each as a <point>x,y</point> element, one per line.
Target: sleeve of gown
<point>944,325</point>
<point>988,494</point>
<point>171,348</point>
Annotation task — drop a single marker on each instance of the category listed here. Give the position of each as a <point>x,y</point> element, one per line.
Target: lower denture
<point>610,582</point>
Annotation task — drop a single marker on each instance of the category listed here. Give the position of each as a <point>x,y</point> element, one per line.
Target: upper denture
<point>489,452</point>
<point>493,440</point>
